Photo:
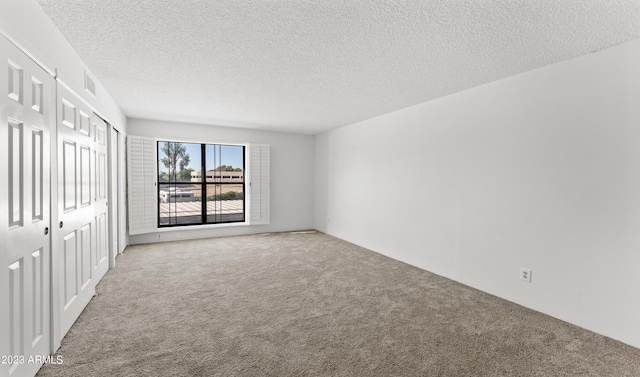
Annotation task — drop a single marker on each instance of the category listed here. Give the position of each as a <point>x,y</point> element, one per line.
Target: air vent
<point>89,84</point>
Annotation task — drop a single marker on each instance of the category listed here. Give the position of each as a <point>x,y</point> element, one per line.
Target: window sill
<point>200,226</point>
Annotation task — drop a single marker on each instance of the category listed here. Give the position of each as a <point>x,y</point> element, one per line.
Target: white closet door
<point>81,237</point>
<point>122,192</point>
<point>101,200</point>
<point>113,196</point>
<point>27,111</point>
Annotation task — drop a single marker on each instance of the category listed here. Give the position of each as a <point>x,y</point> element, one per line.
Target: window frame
<point>204,216</point>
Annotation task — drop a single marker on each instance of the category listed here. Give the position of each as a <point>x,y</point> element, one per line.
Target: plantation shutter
<point>143,195</point>
<point>259,184</point>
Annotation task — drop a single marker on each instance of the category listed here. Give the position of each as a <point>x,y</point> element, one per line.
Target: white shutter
<point>259,184</point>
<point>143,194</point>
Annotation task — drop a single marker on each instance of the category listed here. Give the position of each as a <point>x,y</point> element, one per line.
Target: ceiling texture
<point>310,66</point>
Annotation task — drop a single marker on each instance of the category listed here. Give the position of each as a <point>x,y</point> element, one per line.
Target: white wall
<point>24,21</point>
<point>292,175</point>
<point>540,170</point>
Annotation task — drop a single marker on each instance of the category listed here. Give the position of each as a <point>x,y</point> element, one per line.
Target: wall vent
<point>89,84</point>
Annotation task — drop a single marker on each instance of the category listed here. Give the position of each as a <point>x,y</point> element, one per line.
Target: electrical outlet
<point>159,236</point>
<point>525,274</point>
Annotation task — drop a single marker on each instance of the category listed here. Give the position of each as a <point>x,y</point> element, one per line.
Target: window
<point>143,178</point>
<point>185,198</point>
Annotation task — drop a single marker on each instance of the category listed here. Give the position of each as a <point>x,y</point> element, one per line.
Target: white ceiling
<point>308,66</point>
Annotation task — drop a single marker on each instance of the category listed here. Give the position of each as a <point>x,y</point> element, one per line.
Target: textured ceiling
<point>309,66</point>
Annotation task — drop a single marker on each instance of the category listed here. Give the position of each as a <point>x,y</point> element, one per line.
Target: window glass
<point>179,205</point>
<point>225,202</point>
<point>195,190</point>
<point>179,162</point>
<point>225,198</point>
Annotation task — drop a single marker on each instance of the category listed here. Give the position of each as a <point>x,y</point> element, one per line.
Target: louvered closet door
<point>143,194</point>
<point>82,234</point>
<point>259,184</point>
<point>27,112</point>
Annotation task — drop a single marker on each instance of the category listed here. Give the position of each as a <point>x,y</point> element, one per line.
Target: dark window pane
<point>179,162</point>
<point>223,161</point>
<point>225,203</point>
<point>180,204</point>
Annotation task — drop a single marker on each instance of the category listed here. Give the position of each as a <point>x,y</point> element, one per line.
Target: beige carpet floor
<point>313,305</point>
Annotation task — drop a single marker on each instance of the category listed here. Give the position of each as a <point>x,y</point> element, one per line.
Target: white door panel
<point>122,193</point>
<point>101,205</point>
<point>27,114</point>
<point>70,256</point>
